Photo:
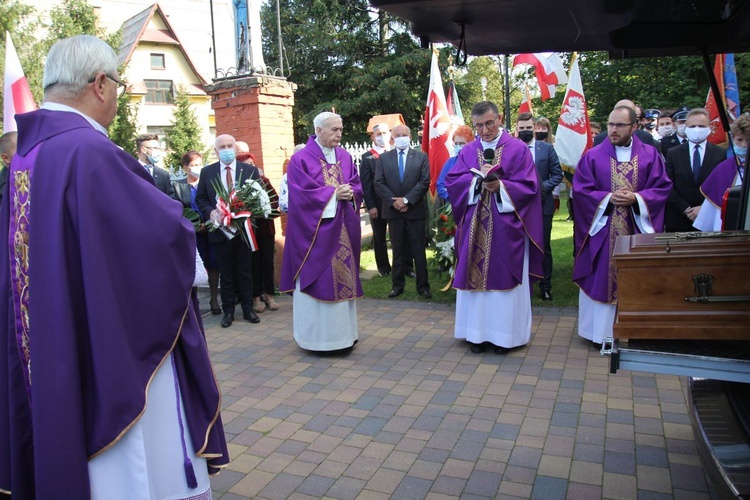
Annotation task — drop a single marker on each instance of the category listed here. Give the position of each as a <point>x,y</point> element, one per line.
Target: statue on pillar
<point>248,36</point>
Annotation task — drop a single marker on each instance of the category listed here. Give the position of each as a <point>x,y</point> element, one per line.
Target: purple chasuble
<point>97,271</point>
<point>597,175</point>
<point>322,253</point>
<point>721,178</point>
<point>490,244</point>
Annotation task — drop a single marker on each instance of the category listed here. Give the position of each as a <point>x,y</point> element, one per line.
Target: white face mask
<point>380,141</point>
<point>196,170</point>
<point>666,131</point>
<point>681,129</point>
<point>697,134</point>
<point>401,142</point>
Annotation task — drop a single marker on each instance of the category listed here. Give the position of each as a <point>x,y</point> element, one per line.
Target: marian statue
<point>248,36</point>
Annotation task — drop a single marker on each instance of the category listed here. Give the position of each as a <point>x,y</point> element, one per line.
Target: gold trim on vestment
<point>344,274</point>
<point>619,217</point>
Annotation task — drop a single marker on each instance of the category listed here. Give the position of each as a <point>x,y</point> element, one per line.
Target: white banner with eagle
<point>573,136</point>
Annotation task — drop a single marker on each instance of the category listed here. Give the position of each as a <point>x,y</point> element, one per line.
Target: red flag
<point>16,92</point>
<point>525,106</point>
<point>726,78</point>
<point>549,71</point>
<point>437,125</point>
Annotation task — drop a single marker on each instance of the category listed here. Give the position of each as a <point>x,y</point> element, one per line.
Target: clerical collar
<point>329,153</point>
<point>493,143</point>
<point>624,153</point>
<point>56,106</point>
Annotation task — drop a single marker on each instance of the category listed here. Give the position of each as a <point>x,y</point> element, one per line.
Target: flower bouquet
<point>237,208</point>
<point>443,241</point>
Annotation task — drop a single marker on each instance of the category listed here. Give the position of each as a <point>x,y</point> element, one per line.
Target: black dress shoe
<point>395,293</point>
<point>384,273</point>
<point>216,311</point>
<point>425,294</point>
<point>477,348</point>
<point>226,321</point>
<point>546,296</point>
<point>501,350</point>
<point>251,317</point>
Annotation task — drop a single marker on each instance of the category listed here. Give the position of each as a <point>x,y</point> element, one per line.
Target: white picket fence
<point>357,150</point>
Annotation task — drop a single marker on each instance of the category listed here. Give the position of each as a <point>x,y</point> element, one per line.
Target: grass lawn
<point>564,291</point>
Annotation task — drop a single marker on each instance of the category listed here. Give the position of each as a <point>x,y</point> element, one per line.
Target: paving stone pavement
<point>411,413</point>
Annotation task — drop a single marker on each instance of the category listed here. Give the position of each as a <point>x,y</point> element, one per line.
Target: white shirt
<point>532,148</point>
<point>223,173</point>
<point>691,148</point>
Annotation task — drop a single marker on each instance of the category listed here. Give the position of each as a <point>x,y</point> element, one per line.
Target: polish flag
<point>525,106</point>
<point>573,137</point>
<point>437,125</point>
<point>16,92</point>
<point>549,71</point>
<point>726,77</point>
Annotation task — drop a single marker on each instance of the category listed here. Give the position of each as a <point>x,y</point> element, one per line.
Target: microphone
<point>489,156</point>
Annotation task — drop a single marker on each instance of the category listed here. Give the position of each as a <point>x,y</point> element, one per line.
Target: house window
<point>159,91</point>
<point>161,131</point>
<point>157,61</point>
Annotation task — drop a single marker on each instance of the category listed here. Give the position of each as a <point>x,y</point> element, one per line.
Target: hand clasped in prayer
<point>622,198</point>
<point>344,192</point>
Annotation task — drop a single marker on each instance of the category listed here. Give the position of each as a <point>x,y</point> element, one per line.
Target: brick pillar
<point>257,109</point>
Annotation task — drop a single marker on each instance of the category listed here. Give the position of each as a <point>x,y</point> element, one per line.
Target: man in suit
<point>233,256</point>
<point>688,165</point>
<point>373,203</point>
<point>550,173</point>
<point>678,118</point>
<point>150,153</point>
<point>402,178</point>
<point>644,136</point>
<point>666,130</point>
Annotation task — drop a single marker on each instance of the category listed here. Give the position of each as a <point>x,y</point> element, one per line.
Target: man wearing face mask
<point>381,137</point>
<point>402,178</point>
<point>666,130</point>
<point>688,165</point>
<point>233,256</point>
<point>648,123</point>
<point>150,154</point>
<point>550,173</point>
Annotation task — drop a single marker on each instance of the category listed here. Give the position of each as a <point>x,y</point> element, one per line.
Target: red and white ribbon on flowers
<point>227,216</point>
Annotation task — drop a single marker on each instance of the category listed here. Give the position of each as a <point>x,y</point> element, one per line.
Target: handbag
<point>201,275</point>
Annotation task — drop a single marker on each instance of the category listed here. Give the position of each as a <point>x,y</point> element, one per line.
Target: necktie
<point>229,178</point>
<point>696,162</point>
<point>401,165</point>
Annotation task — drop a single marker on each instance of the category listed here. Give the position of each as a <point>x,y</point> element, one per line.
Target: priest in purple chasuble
<point>620,188</point>
<point>495,192</point>
<point>107,390</point>
<point>321,254</point>
<point>724,176</point>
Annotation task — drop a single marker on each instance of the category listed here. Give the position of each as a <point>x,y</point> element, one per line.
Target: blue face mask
<point>457,148</point>
<point>226,156</point>
<point>742,152</point>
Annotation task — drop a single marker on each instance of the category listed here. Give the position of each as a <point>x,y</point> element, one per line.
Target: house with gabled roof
<point>156,66</point>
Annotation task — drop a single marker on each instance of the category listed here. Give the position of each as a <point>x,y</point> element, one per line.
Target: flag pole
<point>507,92</point>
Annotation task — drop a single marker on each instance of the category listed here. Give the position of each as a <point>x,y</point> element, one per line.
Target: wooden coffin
<point>670,288</point>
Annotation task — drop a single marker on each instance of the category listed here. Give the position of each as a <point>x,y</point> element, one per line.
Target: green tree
<point>185,133</point>
<point>341,56</point>
<point>123,130</point>
<point>21,22</point>
<point>480,80</point>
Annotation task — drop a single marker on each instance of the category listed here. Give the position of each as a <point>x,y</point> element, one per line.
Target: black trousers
<point>546,284</point>
<point>407,236</point>
<point>234,259</point>
<point>263,281</point>
<point>379,244</point>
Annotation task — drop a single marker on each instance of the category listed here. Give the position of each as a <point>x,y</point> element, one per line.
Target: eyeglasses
<point>619,125</point>
<point>487,124</point>
<point>120,85</point>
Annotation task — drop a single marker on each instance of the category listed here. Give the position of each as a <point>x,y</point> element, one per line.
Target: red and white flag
<point>437,125</point>
<point>16,92</point>
<point>549,71</point>
<point>573,137</point>
<point>525,106</point>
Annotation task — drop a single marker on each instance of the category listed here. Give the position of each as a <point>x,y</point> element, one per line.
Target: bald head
<point>401,131</point>
<point>241,147</point>
<point>625,103</point>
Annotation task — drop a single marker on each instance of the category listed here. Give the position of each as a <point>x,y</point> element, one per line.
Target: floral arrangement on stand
<point>239,207</point>
<point>443,242</point>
